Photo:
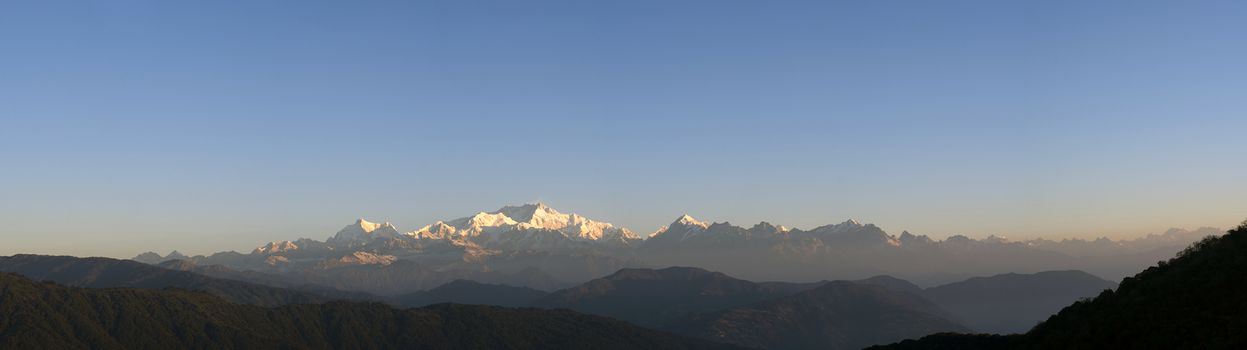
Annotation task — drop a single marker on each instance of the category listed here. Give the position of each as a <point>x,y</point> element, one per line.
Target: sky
<point>202,126</point>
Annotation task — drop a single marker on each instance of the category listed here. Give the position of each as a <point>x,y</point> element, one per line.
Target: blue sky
<point>129,126</point>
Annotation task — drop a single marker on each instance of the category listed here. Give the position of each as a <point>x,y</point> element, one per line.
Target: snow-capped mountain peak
<point>847,225</point>
<point>529,212</point>
<point>363,231</point>
<point>365,225</point>
<point>486,226</point>
<point>275,247</point>
<point>437,230</point>
<point>767,228</point>
<point>484,219</point>
<point>688,220</point>
<point>683,228</point>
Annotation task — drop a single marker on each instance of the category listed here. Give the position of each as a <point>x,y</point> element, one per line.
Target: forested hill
<point>1197,300</point>
<point>44,315</point>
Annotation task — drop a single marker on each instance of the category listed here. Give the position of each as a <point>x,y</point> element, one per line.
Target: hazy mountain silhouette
<point>151,258</point>
<point>1013,303</point>
<point>892,283</point>
<point>1006,303</point>
<point>470,292</point>
<point>272,280</point>
<point>835,315</point>
<point>50,316</point>
<point>778,315</point>
<point>651,297</point>
<point>854,250</point>
<point>113,273</point>
<point>403,276</point>
<point>1197,300</point>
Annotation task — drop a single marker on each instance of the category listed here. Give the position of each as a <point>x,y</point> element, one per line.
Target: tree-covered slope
<point>43,315</point>
<point>1196,300</point>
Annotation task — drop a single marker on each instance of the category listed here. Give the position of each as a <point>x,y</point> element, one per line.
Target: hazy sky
<point>201,126</point>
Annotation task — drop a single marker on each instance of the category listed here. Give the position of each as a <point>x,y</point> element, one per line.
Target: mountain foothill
<point>539,278</point>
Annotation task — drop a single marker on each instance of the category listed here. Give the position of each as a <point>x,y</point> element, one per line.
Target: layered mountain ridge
<point>682,300</point>
<point>570,248</point>
<point>50,316</point>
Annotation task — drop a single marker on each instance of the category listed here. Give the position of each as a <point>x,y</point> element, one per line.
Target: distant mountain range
<point>538,247</point>
<point>852,289</point>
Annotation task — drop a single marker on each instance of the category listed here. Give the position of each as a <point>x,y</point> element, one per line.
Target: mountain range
<point>539,247</point>
<point>682,300</point>
<point>686,285</point>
